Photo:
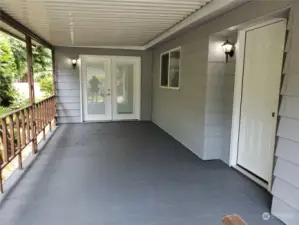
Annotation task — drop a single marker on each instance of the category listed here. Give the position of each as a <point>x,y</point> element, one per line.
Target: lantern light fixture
<point>74,63</point>
<point>228,49</point>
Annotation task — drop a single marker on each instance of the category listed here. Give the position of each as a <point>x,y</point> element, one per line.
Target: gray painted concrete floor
<point>128,174</point>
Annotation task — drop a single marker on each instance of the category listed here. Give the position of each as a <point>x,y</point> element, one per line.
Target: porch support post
<point>31,91</point>
<point>54,83</point>
<point>1,182</point>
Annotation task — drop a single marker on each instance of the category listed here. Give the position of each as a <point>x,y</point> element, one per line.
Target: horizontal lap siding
<point>286,172</point>
<point>183,113</point>
<point>285,212</point>
<point>68,94</point>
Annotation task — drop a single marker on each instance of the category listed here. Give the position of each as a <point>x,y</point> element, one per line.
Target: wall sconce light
<point>228,49</point>
<point>74,63</point>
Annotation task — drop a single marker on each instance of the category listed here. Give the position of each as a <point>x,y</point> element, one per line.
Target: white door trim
<point>240,47</point>
<point>137,85</point>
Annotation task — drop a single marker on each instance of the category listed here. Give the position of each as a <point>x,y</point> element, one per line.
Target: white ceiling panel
<point>101,22</point>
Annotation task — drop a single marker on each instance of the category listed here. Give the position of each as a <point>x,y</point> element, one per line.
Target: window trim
<point>169,52</point>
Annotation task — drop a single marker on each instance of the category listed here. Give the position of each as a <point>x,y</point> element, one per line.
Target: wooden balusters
<point>23,127</point>
<point>1,182</point>
<point>44,113</point>
<point>4,161</point>
<point>18,132</point>
<point>11,137</point>
<point>4,140</point>
<point>33,128</point>
<point>27,123</point>
<point>20,128</point>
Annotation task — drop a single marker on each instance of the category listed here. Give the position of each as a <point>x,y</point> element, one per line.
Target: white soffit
<point>127,24</point>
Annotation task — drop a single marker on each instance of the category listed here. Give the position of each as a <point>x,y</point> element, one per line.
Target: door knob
<point>273,114</point>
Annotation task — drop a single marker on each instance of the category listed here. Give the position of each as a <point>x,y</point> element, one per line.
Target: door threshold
<point>252,177</point>
<point>110,121</point>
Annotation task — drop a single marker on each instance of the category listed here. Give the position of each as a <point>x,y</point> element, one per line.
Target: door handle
<point>273,114</point>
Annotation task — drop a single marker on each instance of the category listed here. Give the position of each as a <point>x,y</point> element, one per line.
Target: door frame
<point>137,87</point>
<point>237,102</point>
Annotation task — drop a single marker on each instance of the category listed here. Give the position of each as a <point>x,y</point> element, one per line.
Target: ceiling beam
<point>21,28</point>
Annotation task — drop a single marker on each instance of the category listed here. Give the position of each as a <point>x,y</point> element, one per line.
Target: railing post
<point>19,148</point>
<point>1,182</point>
<point>44,116</point>
<point>4,140</point>
<point>49,114</point>
<point>5,149</point>
<point>54,84</point>
<point>24,138</point>
<point>31,91</point>
<point>12,136</point>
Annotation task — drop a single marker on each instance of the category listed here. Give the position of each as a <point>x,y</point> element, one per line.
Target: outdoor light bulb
<point>227,47</point>
<point>74,62</point>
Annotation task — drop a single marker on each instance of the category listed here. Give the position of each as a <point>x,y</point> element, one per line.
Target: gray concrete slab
<point>128,173</point>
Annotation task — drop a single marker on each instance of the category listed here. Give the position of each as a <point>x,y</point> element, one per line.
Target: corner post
<point>54,83</point>
<point>31,90</point>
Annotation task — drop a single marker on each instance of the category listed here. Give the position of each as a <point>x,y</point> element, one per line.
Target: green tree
<point>46,85</point>
<point>7,71</point>
<point>13,59</point>
<point>42,60</point>
<point>18,49</point>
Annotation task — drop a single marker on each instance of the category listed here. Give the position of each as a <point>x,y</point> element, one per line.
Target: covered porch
<point>145,121</point>
<point>128,173</point>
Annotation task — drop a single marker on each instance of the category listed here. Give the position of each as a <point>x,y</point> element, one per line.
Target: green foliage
<point>7,69</point>
<point>13,67</point>
<point>18,49</point>
<point>19,101</point>
<point>46,84</point>
<point>41,59</point>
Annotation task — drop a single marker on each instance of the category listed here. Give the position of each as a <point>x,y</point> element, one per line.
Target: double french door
<point>110,88</point>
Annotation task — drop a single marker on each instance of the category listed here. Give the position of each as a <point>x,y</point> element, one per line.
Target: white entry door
<point>110,88</point>
<point>262,69</point>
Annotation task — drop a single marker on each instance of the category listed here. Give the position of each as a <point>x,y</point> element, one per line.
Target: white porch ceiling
<point>97,23</point>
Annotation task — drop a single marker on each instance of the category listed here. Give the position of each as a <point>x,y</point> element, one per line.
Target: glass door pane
<point>96,88</point>
<point>95,75</point>
<point>124,88</point>
<point>126,84</point>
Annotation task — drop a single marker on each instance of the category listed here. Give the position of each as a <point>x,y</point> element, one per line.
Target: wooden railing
<point>20,128</point>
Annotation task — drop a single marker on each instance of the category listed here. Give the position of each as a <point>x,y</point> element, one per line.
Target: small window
<point>170,69</point>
